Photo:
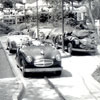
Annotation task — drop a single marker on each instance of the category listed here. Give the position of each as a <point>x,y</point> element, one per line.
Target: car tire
<point>69,48</point>
<point>23,68</point>
<point>10,50</point>
<point>7,46</point>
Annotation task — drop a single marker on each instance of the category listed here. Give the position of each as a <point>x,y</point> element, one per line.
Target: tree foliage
<point>8,4</point>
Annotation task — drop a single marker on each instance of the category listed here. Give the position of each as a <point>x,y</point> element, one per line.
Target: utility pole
<point>15,13</point>
<point>37,35</point>
<point>24,2</point>
<point>63,25</point>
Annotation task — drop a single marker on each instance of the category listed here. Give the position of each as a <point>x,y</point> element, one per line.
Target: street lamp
<point>37,35</point>
<point>63,25</point>
<point>24,2</point>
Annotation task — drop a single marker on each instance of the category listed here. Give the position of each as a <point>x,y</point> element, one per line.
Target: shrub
<point>23,26</point>
<point>4,28</point>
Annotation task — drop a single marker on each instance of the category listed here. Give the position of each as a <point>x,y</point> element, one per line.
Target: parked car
<point>54,34</point>
<point>80,40</point>
<point>43,32</point>
<point>16,39</point>
<point>40,57</point>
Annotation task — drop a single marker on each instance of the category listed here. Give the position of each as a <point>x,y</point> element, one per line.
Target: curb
<point>18,96</point>
<point>17,73</point>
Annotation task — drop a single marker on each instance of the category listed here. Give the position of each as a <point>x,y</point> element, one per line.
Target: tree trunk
<point>92,20</point>
<point>90,13</point>
<point>72,6</point>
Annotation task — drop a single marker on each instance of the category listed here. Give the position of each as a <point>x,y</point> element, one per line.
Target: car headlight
<point>84,41</point>
<point>58,57</point>
<point>19,45</point>
<point>76,42</point>
<point>29,59</point>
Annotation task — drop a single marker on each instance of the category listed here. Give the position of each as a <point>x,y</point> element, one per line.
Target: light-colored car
<point>16,40</point>
<point>79,40</point>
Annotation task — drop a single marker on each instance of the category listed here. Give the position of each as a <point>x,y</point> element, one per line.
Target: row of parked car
<point>78,40</point>
<point>34,55</point>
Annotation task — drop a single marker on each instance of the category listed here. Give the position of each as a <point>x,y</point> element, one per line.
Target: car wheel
<point>10,50</point>
<point>56,42</point>
<point>7,46</point>
<point>69,48</point>
<point>23,68</point>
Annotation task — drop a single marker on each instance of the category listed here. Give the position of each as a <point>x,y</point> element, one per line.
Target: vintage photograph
<point>49,49</point>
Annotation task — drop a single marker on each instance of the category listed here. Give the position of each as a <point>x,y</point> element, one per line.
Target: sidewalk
<point>5,69</point>
<point>8,82</point>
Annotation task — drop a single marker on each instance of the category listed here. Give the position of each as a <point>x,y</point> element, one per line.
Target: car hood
<point>38,52</point>
<point>82,33</point>
<point>18,38</point>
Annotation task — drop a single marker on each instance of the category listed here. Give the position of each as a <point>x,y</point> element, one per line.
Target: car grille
<point>43,62</point>
<point>92,46</point>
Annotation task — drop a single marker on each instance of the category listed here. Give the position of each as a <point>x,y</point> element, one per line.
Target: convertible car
<point>40,57</point>
<point>16,40</point>
<point>79,40</point>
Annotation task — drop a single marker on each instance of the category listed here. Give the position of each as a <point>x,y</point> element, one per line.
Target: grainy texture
<point>8,88</point>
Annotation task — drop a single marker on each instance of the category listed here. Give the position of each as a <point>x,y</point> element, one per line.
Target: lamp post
<point>62,25</point>
<point>37,35</point>
<point>24,2</point>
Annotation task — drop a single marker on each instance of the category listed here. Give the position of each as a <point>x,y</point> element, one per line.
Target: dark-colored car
<point>81,40</point>
<point>41,58</point>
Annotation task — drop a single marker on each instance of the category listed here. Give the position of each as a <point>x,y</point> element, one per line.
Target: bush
<point>43,17</point>
<point>23,26</point>
<point>71,22</point>
<point>4,28</point>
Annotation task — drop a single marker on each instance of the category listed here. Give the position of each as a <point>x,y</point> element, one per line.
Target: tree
<point>8,4</point>
<point>90,12</point>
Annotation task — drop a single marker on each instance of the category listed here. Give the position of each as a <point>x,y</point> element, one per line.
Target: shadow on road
<point>66,74</point>
<point>49,75</point>
<point>84,53</point>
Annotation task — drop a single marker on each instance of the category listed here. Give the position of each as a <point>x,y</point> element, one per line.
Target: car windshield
<point>42,43</point>
<point>48,43</point>
<point>16,33</point>
<point>36,42</point>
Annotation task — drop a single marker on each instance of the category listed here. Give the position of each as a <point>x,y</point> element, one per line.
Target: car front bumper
<point>42,69</point>
<point>84,50</point>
